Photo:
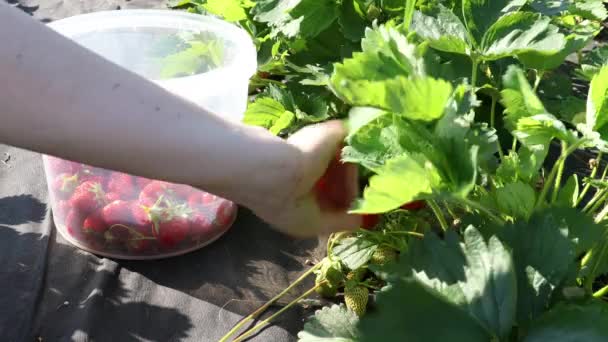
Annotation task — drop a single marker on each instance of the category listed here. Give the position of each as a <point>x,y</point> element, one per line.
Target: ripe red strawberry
<point>141,182</point>
<point>87,197</point>
<point>94,223</point>
<point>64,185</point>
<point>122,184</point>
<point>370,221</point>
<point>225,214</point>
<point>112,196</point>
<point>73,224</point>
<point>62,210</point>
<point>413,206</point>
<point>180,192</point>
<point>142,217</point>
<point>201,227</point>
<point>207,198</point>
<point>200,199</point>
<point>57,165</point>
<point>333,190</point>
<point>151,192</point>
<point>85,177</point>
<point>117,212</point>
<point>172,232</point>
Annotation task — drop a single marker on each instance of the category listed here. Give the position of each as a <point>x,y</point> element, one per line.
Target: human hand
<point>316,202</point>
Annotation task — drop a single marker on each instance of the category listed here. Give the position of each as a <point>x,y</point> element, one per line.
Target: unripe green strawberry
<point>331,272</point>
<point>383,255</point>
<point>326,290</point>
<point>356,275</point>
<point>356,299</point>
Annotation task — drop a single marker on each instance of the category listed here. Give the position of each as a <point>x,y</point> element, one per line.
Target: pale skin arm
<point>59,99</point>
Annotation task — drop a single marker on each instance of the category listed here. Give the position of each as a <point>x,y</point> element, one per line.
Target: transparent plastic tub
<point>203,59</point>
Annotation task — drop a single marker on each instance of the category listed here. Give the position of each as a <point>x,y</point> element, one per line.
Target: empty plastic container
<point>200,58</point>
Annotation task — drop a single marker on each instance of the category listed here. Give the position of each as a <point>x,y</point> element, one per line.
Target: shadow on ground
<point>75,291</point>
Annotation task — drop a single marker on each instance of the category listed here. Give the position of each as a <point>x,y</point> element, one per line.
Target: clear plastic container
<point>200,58</point>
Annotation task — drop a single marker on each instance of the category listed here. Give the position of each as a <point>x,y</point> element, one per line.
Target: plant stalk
<point>560,172</point>
<point>596,201</point>
<point>481,208</point>
<point>264,307</point>
<point>474,73</point>
<point>601,292</point>
<point>603,244</point>
<point>602,214</point>
<point>562,159</point>
<point>493,124</point>
<point>537,78</point>
<point>276,314</point>
<point>410,6</point>
<point>437,211</point>
<point>592,175</point>
<point>407,232</point>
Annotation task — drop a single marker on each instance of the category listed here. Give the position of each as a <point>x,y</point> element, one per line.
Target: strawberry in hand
<point>333,189</point>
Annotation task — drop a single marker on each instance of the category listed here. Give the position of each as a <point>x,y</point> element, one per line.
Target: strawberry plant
<point>476,232</point>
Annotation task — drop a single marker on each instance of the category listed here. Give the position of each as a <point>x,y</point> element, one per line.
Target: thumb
<point>319,144</point>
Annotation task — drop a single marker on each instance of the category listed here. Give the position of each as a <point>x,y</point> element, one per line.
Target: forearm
<point>62,100</point>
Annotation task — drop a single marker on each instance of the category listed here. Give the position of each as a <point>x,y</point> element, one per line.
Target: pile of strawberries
<point>118,213</point>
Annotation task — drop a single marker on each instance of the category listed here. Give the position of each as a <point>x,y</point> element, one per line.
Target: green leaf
<point>377,73</point>
<point>283,122</point>
<point>354,252</point>
<point>374,141</point>
<point>419,98</point>
<point>230,10</point>
<point>542,60</point>
<point>516,200</point>
<point>477,276</point>
<point>536,132</point>
<point>597,104</point>
<point>589,9</point>
<point>568,195</point>
<point>264,112</point>
<point>331,324</point>
<point>572,322</point>
<point>183,3</point>
<point>518,97</point>
<point>480,15</point>
<point>408,311</point>
<point>197,58</point>
<point>521,165</point>
<point>314,16</point>
<point>544,252</point>
<point>351,22</point>
<point>593,61</point>
<point>302,18</point>
<point>283,96</point>
<point>550,7</point>
<point>444,32</point>
<point>400,180</point>
<point>521,32</point>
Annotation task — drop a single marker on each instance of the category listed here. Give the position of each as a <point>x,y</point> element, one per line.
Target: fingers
<point>339,221</point>
<point>319,144</point>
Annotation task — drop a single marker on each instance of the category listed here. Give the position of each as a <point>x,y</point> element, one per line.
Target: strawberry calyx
<point>69,183</point>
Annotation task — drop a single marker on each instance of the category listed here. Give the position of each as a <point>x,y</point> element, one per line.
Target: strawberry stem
<point>131,230</point>
<point>264,307</point>
<point>278,313</point>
